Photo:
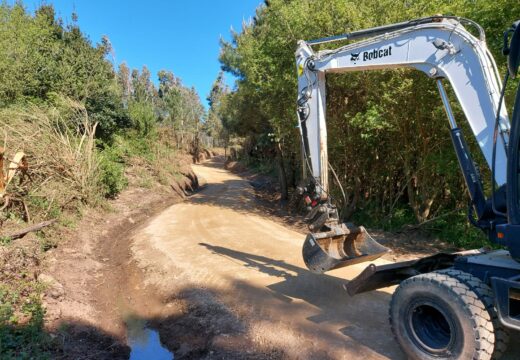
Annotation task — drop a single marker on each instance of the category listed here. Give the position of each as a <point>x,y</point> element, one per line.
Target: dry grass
<point>153,159</point>
<point>60,175</point>
<point>62,159</point>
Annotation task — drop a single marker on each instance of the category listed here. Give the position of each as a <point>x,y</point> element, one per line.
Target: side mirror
<point>512,50</point>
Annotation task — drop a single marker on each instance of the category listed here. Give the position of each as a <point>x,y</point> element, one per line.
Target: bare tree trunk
<point>282,176</point>
<point>2,176</point>
<point>348,209</point>
<point>410,189</point>
<point>421,207</point>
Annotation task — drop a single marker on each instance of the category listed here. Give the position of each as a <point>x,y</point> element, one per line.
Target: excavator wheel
<point>447,314</point>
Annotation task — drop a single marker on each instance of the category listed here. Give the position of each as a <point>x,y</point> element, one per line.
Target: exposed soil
<point>218,274</point>
<point>405,245</point>
<point>91,278</point>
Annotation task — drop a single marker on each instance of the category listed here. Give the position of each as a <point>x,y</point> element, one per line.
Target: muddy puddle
<point>144,342</point>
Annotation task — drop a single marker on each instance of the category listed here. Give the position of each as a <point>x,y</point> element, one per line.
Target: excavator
<point>462,305</point>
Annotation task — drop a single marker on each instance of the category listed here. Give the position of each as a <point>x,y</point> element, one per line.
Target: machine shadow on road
<point>359,320</point>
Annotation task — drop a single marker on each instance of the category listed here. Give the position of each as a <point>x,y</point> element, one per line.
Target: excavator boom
<point>443,49</point>
<point>435,292</point>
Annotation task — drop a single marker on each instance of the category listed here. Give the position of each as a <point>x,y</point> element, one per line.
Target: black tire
<point>485,294</point>
<point>446,314</point>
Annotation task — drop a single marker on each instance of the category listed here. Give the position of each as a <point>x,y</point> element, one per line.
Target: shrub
<point>112,172</point>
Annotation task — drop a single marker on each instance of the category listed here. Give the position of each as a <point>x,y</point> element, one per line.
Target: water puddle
<point>144,342</point>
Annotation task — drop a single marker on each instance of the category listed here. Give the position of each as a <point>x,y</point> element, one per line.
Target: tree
<point>179,106</point>
<point>388,139</point>
<point>143,88</point>
<point>213,124</point>
<point>43,57</point>
<point>124,82</point>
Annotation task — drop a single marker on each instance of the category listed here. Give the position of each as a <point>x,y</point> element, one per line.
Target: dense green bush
<point>112,172</point>
<point>41,56</point>
<point>142,116</point>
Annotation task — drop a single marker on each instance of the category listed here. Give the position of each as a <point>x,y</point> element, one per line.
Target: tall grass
<point>63,162</point>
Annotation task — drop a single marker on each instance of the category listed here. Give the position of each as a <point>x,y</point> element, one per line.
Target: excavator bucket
<point>340,247</point>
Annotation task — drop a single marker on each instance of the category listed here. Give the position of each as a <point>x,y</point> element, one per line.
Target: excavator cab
<point>508,234</point>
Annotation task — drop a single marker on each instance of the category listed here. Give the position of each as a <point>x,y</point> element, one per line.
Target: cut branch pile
<point>18,165</point>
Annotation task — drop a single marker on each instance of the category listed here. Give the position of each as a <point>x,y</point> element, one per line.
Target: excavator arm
<point>443,49</point>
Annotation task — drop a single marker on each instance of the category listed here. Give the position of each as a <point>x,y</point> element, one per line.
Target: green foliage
<point>387,132</point>
<point>451,227</point>
<point>112,176</point>
<point>142,116</point>
<point>21,323</point>
<point>42,56</point>
<point>458,231</point>
<point>216,117</point>
<point>5,240</point>
<point>42,204</point>
<point>183,108</point>
<point>370,123</point>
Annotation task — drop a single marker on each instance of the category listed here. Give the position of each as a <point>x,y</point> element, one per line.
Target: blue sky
<point>182,36</point>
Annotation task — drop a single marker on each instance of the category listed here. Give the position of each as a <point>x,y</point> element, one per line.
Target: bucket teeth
<point>339,247</point>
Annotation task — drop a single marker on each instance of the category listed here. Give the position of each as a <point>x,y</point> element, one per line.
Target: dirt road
<point>215,249</point>
<point>217,276</point>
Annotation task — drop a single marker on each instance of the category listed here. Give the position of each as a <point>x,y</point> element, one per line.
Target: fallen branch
<point>6,203</point>
<point>21,233</point>
<point>417,226</point>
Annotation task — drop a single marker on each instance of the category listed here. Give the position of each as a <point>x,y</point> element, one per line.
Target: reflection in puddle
<point>145,342</point>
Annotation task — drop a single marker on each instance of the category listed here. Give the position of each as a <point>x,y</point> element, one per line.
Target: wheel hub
<point>430,328</point>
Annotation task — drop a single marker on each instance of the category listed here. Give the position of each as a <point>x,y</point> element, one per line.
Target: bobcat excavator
<point>449,305</point>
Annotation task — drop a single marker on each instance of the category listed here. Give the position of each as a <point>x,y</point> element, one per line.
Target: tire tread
<point>477,298</point>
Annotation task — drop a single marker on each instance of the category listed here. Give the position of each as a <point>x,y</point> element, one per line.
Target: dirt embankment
<point>91,279</point>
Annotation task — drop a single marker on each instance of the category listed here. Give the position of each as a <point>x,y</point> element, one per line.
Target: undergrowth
<point>62,168</point>
<point>21,323</point>
<point>21,311</point>
<point>155,156</point>
<point>68,170</point>
<point>452,227</point>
